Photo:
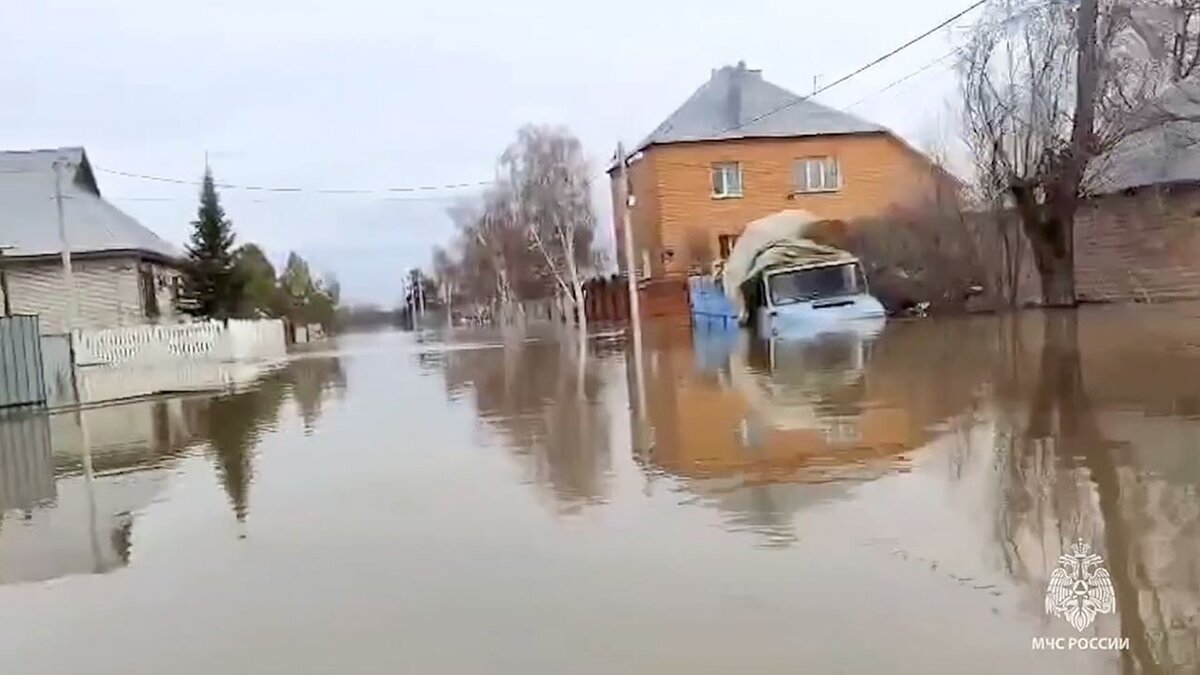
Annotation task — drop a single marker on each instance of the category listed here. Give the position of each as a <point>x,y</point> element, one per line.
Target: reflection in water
<point>750,425</point>
<point>1095,434</point>
<point>72,483</point>
<point>1102,445</point>
<point>907,491</point>
<point>545,403</point>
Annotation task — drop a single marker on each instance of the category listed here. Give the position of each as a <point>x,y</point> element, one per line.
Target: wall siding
<point>108,293</point>
<point>674,189</point>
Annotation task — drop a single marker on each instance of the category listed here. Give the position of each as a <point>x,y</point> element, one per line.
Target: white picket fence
<point>240,340</point>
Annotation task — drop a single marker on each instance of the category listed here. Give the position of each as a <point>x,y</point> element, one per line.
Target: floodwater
<point>889,501</point>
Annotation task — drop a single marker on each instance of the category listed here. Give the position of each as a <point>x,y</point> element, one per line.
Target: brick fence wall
<point>1143,246</point>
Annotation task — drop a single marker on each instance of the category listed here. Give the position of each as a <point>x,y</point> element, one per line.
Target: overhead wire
<point>478,184</point>
<point>858,71</point>
<point>297,189</point>
<point>891,85</point>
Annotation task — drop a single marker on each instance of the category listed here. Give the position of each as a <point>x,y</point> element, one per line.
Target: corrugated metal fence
<point>22,381</point>
<point>26,465</point>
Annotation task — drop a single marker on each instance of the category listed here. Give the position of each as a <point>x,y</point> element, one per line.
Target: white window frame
<point>724,170</point>
<point>825,172</point>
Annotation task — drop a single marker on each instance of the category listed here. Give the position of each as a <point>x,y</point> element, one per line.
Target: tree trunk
<point>1056,269</point>
<point>1050,229</point>
<point>577,298</point>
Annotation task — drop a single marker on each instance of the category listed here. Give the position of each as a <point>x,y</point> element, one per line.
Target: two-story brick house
<point>741,148</point>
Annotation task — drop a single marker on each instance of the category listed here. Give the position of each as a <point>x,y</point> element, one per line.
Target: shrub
<point>920,259</point>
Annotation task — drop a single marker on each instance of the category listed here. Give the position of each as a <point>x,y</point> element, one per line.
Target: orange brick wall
<point>673,186</point>
<point>647,236</point>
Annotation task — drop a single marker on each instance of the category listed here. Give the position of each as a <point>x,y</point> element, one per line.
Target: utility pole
<point>635,310</point>
<point>408,298</point>
<point>421,291</point>
<point>68,272</point>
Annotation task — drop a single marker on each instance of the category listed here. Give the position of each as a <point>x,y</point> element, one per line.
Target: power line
<point>478,184</point>
<point>267,198</point>
<point>954,52</point>
<point>295,190</point>
<point>858,71</point>
<point>904,79</point>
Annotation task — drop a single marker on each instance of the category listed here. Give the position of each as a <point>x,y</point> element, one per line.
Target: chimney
<point>733,101</point>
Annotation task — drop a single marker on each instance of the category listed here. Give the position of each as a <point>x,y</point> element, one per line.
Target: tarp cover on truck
<point>782,239</point>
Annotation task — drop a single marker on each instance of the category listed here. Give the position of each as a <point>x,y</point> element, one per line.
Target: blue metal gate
<point>22,381</point>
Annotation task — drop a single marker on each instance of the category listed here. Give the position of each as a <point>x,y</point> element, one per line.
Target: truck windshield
<point>814,284</point>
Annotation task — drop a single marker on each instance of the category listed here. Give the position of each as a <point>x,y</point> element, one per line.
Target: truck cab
<point>810,295</point>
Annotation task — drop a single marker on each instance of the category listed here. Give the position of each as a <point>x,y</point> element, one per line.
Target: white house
<point>125,274</point>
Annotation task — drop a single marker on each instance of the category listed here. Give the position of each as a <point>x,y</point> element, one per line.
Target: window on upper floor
<point>816,174</point>
<point>727,179</point>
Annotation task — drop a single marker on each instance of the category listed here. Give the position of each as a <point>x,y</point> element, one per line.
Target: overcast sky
<point>373,94</point>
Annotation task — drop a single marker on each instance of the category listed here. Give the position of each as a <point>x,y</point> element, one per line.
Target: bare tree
<point>531,233</point>
<point>445,275</point>
<point>496,267</point>
<point>1050,91</point>
<point>1170,32</point>
<point>548,174</point>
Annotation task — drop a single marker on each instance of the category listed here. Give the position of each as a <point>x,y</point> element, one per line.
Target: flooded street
<point>870,501</point>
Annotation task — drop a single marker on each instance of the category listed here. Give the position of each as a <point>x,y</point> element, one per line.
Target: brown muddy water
<point>845,503</point>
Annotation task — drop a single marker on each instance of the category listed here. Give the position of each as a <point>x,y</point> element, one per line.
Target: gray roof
<point>738,103</point>
<point>29,220</point>
<point>1166,154</point>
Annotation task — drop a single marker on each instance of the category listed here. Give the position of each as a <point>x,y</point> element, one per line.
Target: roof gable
<point>29,218</point>
<point>738,103</point>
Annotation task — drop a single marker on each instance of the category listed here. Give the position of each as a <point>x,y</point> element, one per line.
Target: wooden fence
<point>607,298</point>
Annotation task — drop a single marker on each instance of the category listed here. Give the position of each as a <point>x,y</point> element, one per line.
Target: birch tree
<point>548,174</point>
<point>496,266</point>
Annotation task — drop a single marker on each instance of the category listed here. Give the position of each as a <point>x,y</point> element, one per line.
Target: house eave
<point>1182,183</point>
<point>150,256</point>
